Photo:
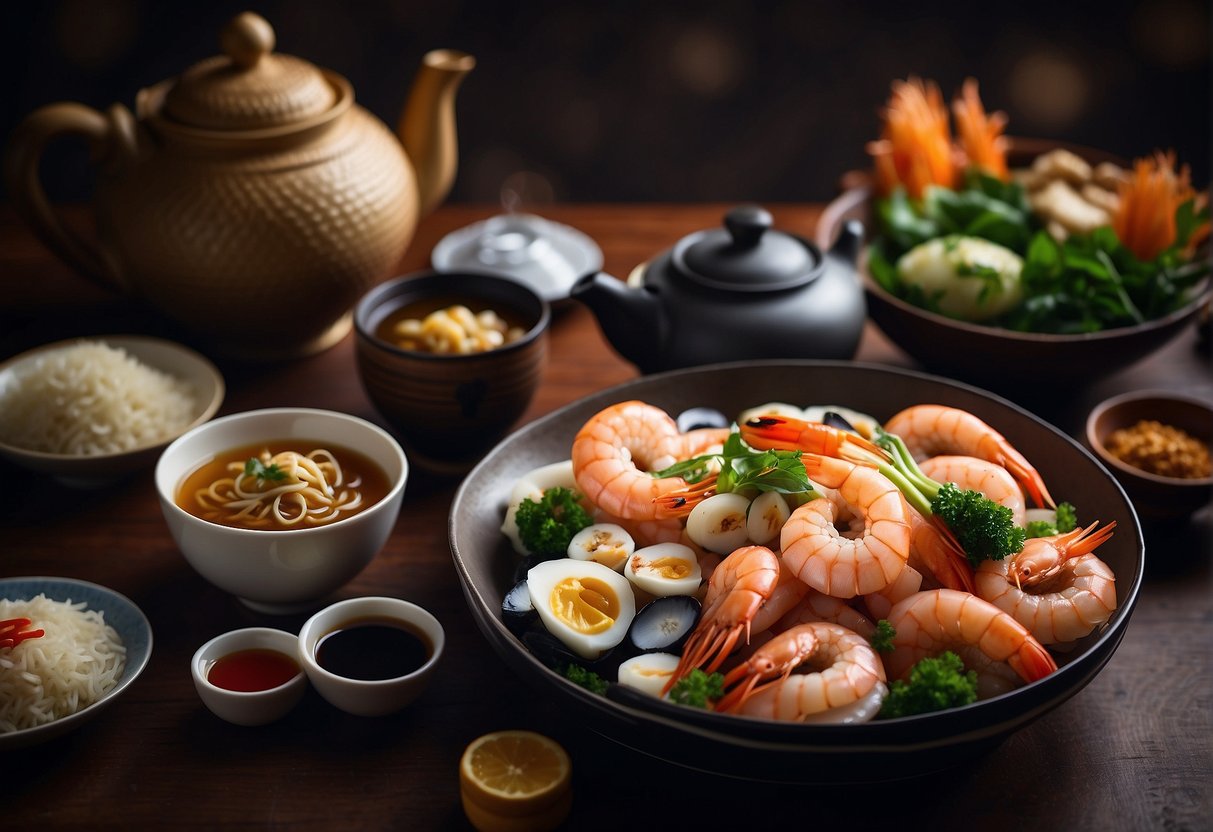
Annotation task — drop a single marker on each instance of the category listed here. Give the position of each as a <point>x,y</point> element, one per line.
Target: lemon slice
<point>511,775</point>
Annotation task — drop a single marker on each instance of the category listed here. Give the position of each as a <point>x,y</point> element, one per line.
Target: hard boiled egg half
<point>586,605</point>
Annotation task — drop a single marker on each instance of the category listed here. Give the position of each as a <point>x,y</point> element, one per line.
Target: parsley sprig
<point>256,468</point>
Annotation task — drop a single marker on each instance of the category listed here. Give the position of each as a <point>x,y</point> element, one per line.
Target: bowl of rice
<point>90,411</point>
<point>95,643</point>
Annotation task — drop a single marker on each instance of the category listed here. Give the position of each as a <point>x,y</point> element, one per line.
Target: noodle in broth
<point>259,487</point>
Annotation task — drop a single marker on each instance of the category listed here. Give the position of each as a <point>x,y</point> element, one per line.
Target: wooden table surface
<point>1130,751</point>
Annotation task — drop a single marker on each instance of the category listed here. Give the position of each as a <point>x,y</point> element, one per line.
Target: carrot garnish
<point>914,149</point>
<point>981,137</point>
<point>1149,198</point>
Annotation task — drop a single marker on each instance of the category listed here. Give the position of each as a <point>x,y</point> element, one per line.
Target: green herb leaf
<point>586,678</point>
<point>935,684</point>
<point>698,689</point>
<point>741,466</point>
<point>256,468</point>
<point>882,639</point>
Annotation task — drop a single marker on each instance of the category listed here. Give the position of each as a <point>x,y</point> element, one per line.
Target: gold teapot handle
<point>111,139</point>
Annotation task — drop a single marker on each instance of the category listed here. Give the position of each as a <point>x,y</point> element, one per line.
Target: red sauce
<point>252,670</point>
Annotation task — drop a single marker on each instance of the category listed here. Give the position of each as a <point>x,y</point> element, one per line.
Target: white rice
<point>78,661</point>
<point>90,399</point>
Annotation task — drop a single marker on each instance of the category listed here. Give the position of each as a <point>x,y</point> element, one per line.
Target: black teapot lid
<point>747,255</point>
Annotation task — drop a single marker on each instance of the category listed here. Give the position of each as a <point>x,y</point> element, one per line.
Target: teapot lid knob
<point>246,39</point>
<point>747,224</point>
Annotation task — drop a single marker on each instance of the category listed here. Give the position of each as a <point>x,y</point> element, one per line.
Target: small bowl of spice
<point>1157,444</point>
<point>250,676</point>
<point>451,360</point>
<point>370,656</point>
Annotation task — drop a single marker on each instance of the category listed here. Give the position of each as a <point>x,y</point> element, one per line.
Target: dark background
<point>764,101</point>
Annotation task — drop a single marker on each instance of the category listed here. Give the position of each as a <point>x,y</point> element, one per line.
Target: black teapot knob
<point>747,224</point>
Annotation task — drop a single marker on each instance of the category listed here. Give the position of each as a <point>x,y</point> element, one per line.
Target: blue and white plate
<point>120,613</point>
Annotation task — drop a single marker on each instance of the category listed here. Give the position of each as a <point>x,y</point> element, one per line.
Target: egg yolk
<point>669,568</point>
<point>586,605</point>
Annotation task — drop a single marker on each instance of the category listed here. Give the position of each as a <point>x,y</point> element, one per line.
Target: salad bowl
<point>994,358</point>
<point>789,752</point>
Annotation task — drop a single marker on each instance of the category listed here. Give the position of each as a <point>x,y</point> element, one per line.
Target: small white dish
<point>249,708</point>
<point>378,697</point>
<point>120,613</point>
<point>101,469</point>
<point>547,256</point>
<point>288,571</point>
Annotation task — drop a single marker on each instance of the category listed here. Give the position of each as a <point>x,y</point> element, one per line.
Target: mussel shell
<point>552,652</point>
<point>836,420</point>
<point>701,417</point>
<point>664,623</point>
<point>517,612</point>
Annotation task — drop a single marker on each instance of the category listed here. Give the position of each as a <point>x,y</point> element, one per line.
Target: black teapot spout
<point>631,318</point>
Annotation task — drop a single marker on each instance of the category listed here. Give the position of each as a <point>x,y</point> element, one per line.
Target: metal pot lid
<point>747,255</point>
<point>248,87</point>
<point>546,255</point>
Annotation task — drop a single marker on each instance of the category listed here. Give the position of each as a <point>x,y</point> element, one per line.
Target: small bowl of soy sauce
<point>250,676</point>
<point>370,656</point>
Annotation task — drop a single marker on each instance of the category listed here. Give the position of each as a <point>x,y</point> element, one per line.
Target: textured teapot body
<point>249,198</point>
<point>260,245</point>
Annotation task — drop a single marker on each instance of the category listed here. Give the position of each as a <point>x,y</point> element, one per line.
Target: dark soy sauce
<point>372,649</point>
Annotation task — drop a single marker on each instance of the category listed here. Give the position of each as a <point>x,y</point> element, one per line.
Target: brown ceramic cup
<point>448,410</point>
<point>1155,498</point>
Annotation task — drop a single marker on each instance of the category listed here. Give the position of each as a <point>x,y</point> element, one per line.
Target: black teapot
<point>746,291</point>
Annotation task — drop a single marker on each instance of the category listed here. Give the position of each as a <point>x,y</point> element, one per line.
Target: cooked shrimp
<point>737,591</point>
<point>973,474</point>
<point>932,554</point>
<point>931,429</point>
<point>788,593</point>
<point>787,433</point>
<point>846,682</point>
<point>984,637</point>
<point>1055,587</point>
<point>612,452</point>
<point>866,557</point>
<point>817,606</point>
<point>904,585</point>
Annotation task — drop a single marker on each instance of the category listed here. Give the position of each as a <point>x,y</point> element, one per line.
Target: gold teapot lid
<point>248,87</point>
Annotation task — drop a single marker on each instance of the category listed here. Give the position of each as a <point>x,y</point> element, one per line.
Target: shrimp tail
<point>956,572</point>
<point>1032,661</point>
<point>1029,478</point>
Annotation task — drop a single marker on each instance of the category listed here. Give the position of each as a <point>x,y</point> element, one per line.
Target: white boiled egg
<point>648,672</point>
<point>531,487</point>
<point>664,569</point>
<point>586,605</point>
<point>718,524</point>
<point>864,424</point>
<point>604,543</point>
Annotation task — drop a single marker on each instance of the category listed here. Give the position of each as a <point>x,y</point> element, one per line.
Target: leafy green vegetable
<point>588,679</point>
<point>744,467</point>
<point>935,684</point>
<point>1066,520</point>
<point>698,689</point>
<point>256,468</point>
<point>882,639</point>
<point>1085,284</point>
<point>546,527</point>
<point>983,528</point>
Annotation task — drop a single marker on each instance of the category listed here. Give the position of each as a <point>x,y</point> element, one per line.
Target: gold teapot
<point>249,199</point>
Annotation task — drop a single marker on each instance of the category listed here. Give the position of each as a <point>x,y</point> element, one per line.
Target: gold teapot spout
<point>427,127</point>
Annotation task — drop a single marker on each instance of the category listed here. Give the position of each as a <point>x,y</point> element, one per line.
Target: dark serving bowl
<point>758,749</point>
<point>1001,359</point>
